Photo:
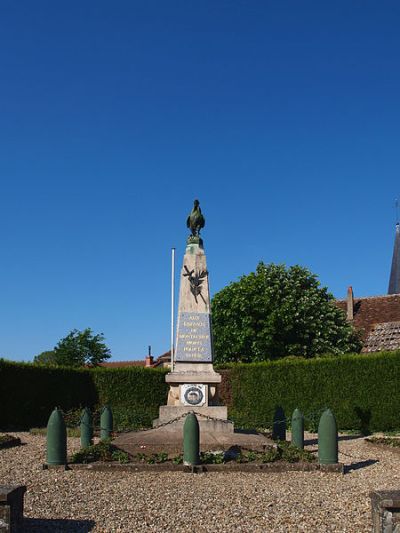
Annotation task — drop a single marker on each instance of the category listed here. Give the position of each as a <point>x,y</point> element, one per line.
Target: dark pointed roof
<point>394,282</point>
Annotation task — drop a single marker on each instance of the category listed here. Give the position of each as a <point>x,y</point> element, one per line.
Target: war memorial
<point>193,382</point>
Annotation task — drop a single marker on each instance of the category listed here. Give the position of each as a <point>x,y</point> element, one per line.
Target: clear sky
<point>283,118</point>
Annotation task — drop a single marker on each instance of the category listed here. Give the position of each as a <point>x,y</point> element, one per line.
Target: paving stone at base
<point>170,439</point>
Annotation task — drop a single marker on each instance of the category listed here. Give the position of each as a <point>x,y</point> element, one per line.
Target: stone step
<point>171,412</point>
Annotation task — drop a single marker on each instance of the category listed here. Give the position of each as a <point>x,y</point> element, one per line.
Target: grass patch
<point>392,442</point>
<point>284,452</point>
<point>155,458</point>
<point>71,432</point>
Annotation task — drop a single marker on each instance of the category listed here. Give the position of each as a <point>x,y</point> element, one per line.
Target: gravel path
<point>179,502</point>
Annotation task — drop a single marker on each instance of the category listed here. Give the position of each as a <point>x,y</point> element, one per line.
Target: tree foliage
<point>77,349</point>
<point>47,358</point>
<point>80,348</point>
<point>276,312</point>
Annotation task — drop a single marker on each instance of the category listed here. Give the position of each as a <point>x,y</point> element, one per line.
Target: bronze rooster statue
<point>195,221</point>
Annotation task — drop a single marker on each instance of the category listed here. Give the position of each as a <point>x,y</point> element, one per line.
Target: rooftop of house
<point>366,312</point>
<point>385,336</point>
<point>120,364</point>
<point>377,318</point>
<point>148,362</point>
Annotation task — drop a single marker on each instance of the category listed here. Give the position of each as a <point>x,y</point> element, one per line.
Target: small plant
<point>177,460</point>
<point>103,451</point>
<point>84,456</point>
<point>292,454</point>
<point>283,451</point>
<point>251,456</point>
<point>270,455</point>
<point>120,456</point>
<point>152,459</point>
<point>214,458</point>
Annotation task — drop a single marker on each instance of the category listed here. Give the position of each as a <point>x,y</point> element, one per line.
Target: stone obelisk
<point>193,381</point>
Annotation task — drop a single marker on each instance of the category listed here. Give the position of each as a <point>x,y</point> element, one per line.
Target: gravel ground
<point>180,502</point>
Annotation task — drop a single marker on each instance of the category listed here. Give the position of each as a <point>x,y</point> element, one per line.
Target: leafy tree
<point>81,348</point>
<point>275,312</point>
<point>78,348</point>
<point>45,358</point>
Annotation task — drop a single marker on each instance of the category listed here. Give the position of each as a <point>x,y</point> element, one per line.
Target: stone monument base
<point>200,377</point>
<point>202,382</point>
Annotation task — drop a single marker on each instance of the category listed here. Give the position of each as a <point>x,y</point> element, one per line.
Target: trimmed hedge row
<point>29,393</point>
<point>134,394</point>
<point>363,391</point>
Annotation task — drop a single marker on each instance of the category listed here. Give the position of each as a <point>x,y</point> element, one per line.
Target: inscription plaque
<point>193,342</point>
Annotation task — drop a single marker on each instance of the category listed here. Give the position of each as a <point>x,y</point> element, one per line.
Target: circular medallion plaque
<point>194,395</point>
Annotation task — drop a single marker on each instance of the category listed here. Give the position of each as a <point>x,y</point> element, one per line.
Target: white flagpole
<point>172,307</point>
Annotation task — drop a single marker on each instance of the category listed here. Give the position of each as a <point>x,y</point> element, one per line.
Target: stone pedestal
<point>206,380</point>
<point>193,381</point>
<point>12,508</point>
<point>385,511</point>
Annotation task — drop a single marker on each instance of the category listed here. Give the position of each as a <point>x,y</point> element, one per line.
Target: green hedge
<point>29,393</point>
<point>362,390</point>
<point>134,394</point>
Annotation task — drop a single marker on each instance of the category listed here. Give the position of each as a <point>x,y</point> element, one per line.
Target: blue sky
<point>282,117</point>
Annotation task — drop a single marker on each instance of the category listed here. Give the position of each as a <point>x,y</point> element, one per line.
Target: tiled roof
<point>165,357</point>
<point>120,364</point>
<point>373,310</point>
<point>385,336</point>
